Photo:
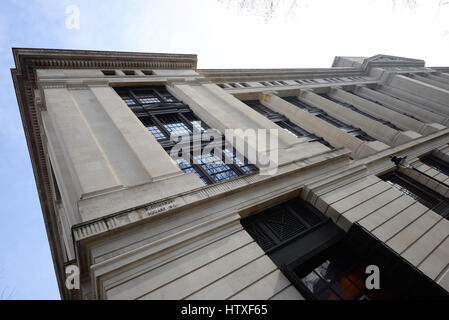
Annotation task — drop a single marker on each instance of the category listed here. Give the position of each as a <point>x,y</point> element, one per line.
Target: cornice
<point>380,60</point>
<point>238,75</point>
<point>28,60</point>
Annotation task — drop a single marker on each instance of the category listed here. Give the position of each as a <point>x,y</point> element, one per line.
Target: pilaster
<point>88,163</point>
<point>411,98</point>
<point>401,106</point>
<point>421,89</point>
<point>153,160</point>
<point>379,111</point>
<point>431,80</point>
<point>222,111</point>
<point>377,130</point>
<point>321,128</point>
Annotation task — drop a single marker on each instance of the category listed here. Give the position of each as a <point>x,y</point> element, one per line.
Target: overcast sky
<point>311,34</point>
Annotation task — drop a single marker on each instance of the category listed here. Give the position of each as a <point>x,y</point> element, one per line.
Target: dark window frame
<point>353,108</point>
<point>161,113</point>
<point>343,257</point>
<point>285,123</point>
<point>261,222</point>
<point>435,163</point>
<point>356,132</point>
<point>421,193</point>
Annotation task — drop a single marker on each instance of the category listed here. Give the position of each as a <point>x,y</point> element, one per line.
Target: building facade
<point>361,177</point>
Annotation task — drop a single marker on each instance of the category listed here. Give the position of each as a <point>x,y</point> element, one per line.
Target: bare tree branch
<point>270,8</point>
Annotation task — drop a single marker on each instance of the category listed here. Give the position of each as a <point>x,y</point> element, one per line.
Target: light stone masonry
<point>120,209</point>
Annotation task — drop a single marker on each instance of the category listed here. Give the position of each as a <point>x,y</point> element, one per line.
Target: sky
<point>308,34</point>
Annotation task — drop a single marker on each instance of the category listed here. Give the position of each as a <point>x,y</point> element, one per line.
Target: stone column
<point>90,167</point>
<point>105,146</point>
<point>432,80</point>
<point>443,75</point>
<point>319,127</point>
<point>148,155</point>
<point>372,127</point>
<point>402,106</point>
<point>382,112</point>
<point>421,89</point>
<point>415,99</point>
<point>439,76</point>
<point>221,110</point>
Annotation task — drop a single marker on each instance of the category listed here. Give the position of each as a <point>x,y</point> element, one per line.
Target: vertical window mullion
<point>199,168</point>
<point>161,127</point>
<point>186,121</point>
<point>160,96</point>
<point>267,231</point>
<point>234,166</point>
<point>134,96</point>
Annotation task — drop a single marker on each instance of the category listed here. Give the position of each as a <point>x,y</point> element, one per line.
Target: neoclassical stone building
<point>362,176</point>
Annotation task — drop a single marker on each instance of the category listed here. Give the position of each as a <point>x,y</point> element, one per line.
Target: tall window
<point>284,123</point>
<point>436,163</point>
<point>325,263</point>
<point>163,115</point>
<point>350,106</point>
<point>337,273</point>
<point>424,195</point>
<point>356,132</point>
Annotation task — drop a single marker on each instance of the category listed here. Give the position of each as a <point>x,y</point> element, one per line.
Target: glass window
<point>282,223</point>
<point>353,108</point>
<point>329,119</point>
<point>338,274</point>
<point>325,263</point>
<point>129,101</point>
<point>164,115</point>
<point>424,195</point>
<point>284,123</point>
<point>436,163</point>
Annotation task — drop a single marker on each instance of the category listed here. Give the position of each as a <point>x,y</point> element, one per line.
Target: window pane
<point>243,165</point>
<point>413,189</point>
<point>147,100</point>
<point>346,289</point>
<point>223,176</point>
<point>186,167</point>
<point>212,164</point>
<point>156,132</point>
<point>173,117</point>
<point>436,163</point>
<point>173,124</point>
<point>129,101</point>
<point>314,283</point>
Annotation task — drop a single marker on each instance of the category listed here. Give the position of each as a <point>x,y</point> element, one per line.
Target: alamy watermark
<point>372,282</point>
<point>254,146</point>
<point>72,281</point>
<point>73,19</point>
